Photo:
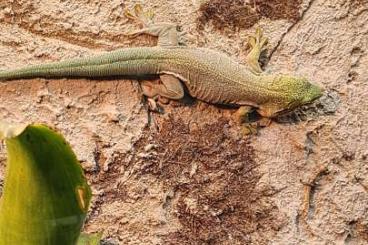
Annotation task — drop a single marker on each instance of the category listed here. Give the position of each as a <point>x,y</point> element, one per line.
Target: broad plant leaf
<point>45,196</point>
<point>90,239</point>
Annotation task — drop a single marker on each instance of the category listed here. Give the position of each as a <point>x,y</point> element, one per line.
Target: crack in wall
<point>289,29</point>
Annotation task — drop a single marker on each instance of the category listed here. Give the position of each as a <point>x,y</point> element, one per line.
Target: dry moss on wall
<point>237,14</point>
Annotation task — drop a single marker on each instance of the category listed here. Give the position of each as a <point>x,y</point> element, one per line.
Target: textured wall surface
<point>188,176</point>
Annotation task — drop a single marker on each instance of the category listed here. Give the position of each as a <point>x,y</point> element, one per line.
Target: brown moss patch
<point>234,14</point>
<point>212,179</point>
<point>209,181</point>
<point>362,230</point>
<point>359,229</point>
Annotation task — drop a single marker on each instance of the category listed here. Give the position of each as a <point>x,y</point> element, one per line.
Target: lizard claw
<point>252,128</point>
<point>140,13</point>
<point>183,38</point>
<point>250,122</point>
<point>154,106</point>
<point>257,40</point>
<point>249,129</point>
<point>143,17</point>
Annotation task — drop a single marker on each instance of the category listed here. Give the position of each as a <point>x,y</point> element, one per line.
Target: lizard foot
<point>154,106</point>
<point>152,92</point>
<point>252,128</point>
<point>249,129</point>
<point>143,17</point>
<point>243,114</point>
<point>257,43</point>
<point>167,33</point>
<point>250,121</point>
<point>243,117</point>
<point>257,40</point>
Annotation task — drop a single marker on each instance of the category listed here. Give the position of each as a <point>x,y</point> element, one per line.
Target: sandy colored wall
<point>189,176</point>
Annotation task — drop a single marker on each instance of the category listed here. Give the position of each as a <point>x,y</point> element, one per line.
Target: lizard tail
<point>58,70</point>
<point>132,61</point>
<point>72,68</point>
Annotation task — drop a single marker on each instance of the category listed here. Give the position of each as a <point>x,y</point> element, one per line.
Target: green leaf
<point>46,196</point>
<point>90,239</point>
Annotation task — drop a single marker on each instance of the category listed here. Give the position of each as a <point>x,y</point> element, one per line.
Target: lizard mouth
<point>312,93</point>
<point>310,100</point>
<point>324,105</point>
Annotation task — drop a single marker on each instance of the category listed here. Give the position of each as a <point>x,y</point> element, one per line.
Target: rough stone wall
<point>189,176</point>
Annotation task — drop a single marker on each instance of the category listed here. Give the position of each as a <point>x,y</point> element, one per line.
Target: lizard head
<point>295,91</point>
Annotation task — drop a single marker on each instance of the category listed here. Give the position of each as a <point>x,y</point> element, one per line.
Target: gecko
<point>207,75</point>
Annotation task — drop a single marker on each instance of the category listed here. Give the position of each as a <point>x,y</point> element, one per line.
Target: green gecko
<point>208,75</point>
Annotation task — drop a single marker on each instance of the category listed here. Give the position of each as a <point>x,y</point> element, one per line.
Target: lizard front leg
<point>258,43</point>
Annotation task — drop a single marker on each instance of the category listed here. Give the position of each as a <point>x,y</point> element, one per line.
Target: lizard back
<point>209,75</point>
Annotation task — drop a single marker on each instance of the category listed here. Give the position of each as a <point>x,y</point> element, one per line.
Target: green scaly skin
<point>209,76</point>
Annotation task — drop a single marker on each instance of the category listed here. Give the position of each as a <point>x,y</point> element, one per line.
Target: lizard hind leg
<point>167,33</point>
<point>258,43</point>
<point>168,88</point>
<point>171,88</point>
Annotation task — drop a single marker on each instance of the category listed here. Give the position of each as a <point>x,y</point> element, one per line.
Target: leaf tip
<point>11,130</point>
